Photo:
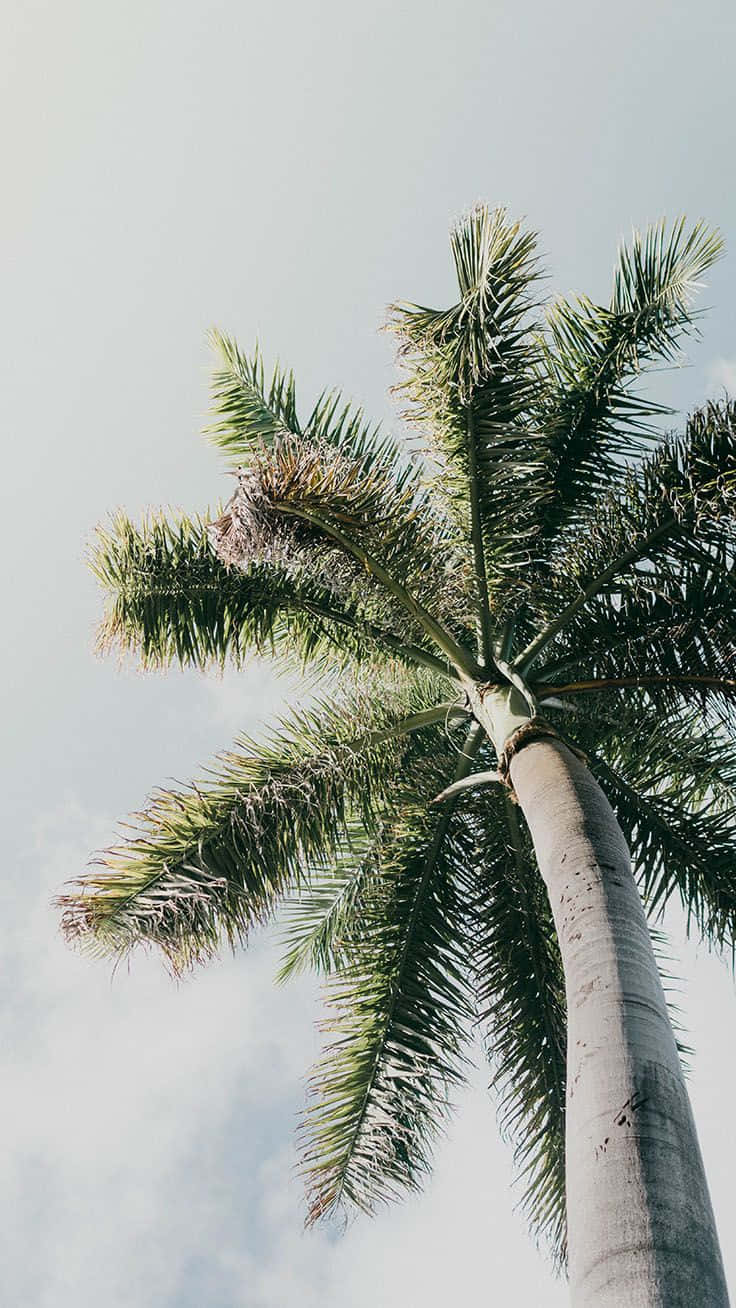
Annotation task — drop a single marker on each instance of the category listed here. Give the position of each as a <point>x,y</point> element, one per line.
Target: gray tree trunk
<point>641,1226</point>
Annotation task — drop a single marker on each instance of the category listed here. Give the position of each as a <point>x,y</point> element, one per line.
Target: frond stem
<point>415,721</point>
<point>476,531</point>
<point>615,683</point>
<point>413,653</point>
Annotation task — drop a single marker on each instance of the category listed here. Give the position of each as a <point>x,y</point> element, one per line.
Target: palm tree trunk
<point>641,1226</point>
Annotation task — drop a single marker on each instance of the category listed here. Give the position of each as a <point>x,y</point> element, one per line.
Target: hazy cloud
<point>721,375</point>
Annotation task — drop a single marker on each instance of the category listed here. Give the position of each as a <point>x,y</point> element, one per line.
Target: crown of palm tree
<point>546,537</point>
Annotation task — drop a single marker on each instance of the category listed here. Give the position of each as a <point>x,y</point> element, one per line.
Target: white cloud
<point>721,375</point>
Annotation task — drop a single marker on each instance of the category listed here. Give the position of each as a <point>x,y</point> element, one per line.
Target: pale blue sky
<point>283,170</point>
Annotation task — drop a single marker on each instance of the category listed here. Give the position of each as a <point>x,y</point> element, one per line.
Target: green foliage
<point>546,531</point>
<point>333,491</point>
<point>204,864</point>
<point>590,417</point>
<point>250,412</point>
<point>368,534</point>
<point>171,599</point>
<point>520,994</point>
<point>676,620</point>
<point>323,916</point>
<point>470,382</point>
<point>399,1012</point>
<point>676,504</point>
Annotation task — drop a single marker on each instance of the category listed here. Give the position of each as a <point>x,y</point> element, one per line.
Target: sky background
<point>284,169</point>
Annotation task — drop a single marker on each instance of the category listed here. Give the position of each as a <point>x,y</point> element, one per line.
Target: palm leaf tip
<point>589,415</point>
<point>660,273</point>
<point>108,915</point>
<point>250,410</point>
<point>168,598</point>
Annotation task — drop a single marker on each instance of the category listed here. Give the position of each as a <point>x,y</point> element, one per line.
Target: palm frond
<point>589,415</point>
<point>471,381</point>
<point>400,1010</point>
<point>676,618</point>
<point>683,492</point>
<point>520,995</point>
<point>252,410</point>
<point>358,525</point>
<point>670,774</point>
<point>323,918</point>
<point>204,864</point>
<point>678,853</point>
<point>171,599</point>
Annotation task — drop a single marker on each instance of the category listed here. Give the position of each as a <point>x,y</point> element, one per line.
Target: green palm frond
<point>520,995</point>
<point>323,918</point>
<point>171,599</point>
<point>250,409</point>
<point>684,490</point>
<point>671,627</point>
<point>471,382</point>
<point>253,410</point>
<point>590,417</point>
<point>400,1010</point>
<point>356,522</point>
<point>678,853</point>
<point>203,864</point>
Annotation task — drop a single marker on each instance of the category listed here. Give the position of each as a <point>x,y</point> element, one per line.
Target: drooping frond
<point>400,1009</point>
<point>520,995</point>
<point>171,599</point>
<point>684,490</point>
<point>590,418</point>
<point>324,917</point>
<point>205,863</point>
<point>681,853</point>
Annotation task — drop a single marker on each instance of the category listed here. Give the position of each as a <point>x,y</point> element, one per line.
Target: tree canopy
<point>546,536</point>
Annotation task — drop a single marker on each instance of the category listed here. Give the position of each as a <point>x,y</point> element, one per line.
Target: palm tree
<point>524,606</point>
